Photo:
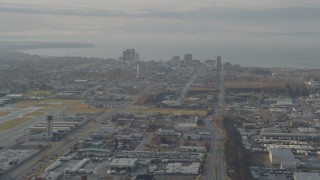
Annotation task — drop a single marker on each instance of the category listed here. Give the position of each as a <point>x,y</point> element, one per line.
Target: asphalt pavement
<point>185,88</point>
<point>215,166</point>
<point>10,136</point>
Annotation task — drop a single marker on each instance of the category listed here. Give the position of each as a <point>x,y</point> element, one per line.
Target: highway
<point>215,166</point>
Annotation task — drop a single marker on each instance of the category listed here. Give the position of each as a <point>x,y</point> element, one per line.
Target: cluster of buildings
<point>152,140</point>
<point>54,129</point>
<point>281,128</point>
<point>177,168</point>
<point>118,152</point>
<point>9,158</point>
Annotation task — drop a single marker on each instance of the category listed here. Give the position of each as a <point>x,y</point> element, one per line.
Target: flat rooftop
<point>123,162</point>
<point>306,176</point>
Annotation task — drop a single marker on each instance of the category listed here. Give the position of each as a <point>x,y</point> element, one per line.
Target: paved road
<point>146,140</point>
<point>185,88</point>
<point>215,167</point>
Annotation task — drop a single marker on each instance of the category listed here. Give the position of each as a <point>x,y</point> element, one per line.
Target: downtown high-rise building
<point>219,63</point>
<point>130,55</point>
<point>188,57</point>
<point>144,70</point>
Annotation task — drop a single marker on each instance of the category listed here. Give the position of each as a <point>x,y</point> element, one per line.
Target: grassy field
<point>80,107</point>
<point>151,110</point>
<point>74,106</point>
<point>39,93</point>
<point>13,123</point>
<point>61,100</point>
<point>2,113</point>
<point>26,104</point>
<point>35,114</point>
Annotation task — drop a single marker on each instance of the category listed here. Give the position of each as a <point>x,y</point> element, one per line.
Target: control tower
<point>49,127</point>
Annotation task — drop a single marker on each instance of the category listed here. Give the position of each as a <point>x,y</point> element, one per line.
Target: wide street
<point>215,166</point>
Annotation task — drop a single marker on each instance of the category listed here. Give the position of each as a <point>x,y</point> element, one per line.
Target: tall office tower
<point>175,61</point>
<point>138,71</point>
<point>219,63</point>
<point>219,67</point>
<point>175,58</point>
<point>136,57</point>
<point>188,57</point>
<point>143,70</point>
<point>130,55</point>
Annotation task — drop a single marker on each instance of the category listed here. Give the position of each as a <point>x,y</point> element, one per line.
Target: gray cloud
<point>246,29</point>
<point>288,13</point>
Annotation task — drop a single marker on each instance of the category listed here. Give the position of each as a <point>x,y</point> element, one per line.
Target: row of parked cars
<point>175,156</point>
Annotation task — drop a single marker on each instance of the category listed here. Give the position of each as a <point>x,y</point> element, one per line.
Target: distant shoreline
<point>105,51</point>
<point>29,45</point>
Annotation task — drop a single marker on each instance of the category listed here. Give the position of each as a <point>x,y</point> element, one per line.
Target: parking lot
<point>163,156</point>
<point>271,173</point>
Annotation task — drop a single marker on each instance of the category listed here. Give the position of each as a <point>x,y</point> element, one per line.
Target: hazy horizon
<point>248,32</point>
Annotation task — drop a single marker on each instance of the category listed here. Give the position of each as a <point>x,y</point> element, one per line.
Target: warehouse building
<point>278,156</point>
<point>307,130</point>
<point>128,164</point>
<point>290,136</point>
<point>306,176</point>
<point>177,168</point>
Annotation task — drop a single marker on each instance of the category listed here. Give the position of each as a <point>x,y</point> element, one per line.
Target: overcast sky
<point>271,29</point>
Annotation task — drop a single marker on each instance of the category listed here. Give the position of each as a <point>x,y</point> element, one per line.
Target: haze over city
<point>247,32</point>
<point>159,90</point>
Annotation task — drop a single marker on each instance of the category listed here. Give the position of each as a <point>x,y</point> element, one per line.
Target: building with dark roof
<point>145,177</point>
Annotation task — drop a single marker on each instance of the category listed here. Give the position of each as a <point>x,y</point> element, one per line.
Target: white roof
<point>188,125</point>
<point>123,162</point>
<point>14,95</point>
<point>306,176</point>
<point>284,154</point>
<point>284,102</point>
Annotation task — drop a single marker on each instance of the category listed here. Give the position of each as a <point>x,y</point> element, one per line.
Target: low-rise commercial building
<point>277,156</point>
<point>306,176</point>
<point>128,164</point>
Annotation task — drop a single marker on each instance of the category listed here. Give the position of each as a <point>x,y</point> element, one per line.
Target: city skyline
<point>151,90</point>
<point>287,30</point>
